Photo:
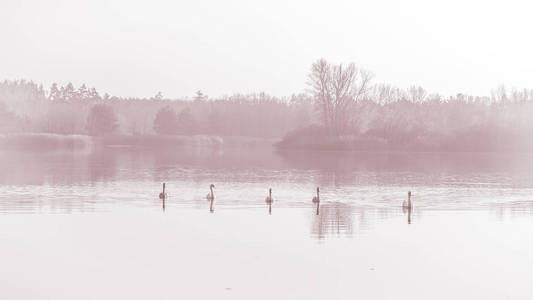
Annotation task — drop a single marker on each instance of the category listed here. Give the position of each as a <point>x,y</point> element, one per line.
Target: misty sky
<point>225,47</point>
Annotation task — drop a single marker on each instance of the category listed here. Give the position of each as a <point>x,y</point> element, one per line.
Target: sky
<point>137,48</point>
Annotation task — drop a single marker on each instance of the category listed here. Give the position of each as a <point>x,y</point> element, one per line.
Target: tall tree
<point>93,94</point>
<point>335,89</point>
<point>165,121</point>
<point>199,96</point>
<point>186,122</point>
<point>7,119</point>
<point>54,92</point>
<point>101,120</point>
<point>68,92</point>
<point>158,96</point>
<point>416,94</point>
<point>82,92</point>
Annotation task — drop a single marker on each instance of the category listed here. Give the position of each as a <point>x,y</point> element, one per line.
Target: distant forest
<point>342,109</point>
<point>28,107</point>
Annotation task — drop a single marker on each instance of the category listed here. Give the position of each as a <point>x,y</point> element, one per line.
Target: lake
<point>90,225</point>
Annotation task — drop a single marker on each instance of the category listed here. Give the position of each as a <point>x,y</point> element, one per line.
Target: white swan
<point>316,199</point>
<point>211,195</point>
<point>163,194</point>
<point>407,204</point>
<point>269,198</point>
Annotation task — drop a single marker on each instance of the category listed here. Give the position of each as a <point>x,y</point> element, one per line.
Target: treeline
<point>342,109</point>
<point>433,125</point>
<point>354,114</point>
<point>28,107</point>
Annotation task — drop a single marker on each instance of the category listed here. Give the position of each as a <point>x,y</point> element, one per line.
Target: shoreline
<point>48,141</point>
<point>51,142</point>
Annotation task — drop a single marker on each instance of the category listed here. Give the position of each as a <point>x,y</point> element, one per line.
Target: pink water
<point>91,226</point>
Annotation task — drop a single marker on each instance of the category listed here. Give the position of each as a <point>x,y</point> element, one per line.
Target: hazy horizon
<point>128,49</point>
<point>334,149</point>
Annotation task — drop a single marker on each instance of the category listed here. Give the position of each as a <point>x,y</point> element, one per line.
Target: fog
<point>342,108</point>
<point>177,47</point>
<point>266,149</point>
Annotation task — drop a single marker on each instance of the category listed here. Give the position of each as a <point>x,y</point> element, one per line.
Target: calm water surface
<point>89,225</point>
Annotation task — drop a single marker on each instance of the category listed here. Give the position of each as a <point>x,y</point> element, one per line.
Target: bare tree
<point>499,95</point>
<point>335,89</point>
<point>416,94</point>
<point>385,94</point>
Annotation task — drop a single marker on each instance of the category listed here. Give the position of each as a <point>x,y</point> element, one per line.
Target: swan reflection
<point>407,210</point>
<point>334,218</point>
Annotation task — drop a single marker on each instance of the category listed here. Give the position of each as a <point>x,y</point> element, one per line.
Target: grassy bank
<point>44,141</point>
<point>158,141</point>
<point>471,140</point>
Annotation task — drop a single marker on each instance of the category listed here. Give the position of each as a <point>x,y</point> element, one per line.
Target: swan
<point>316,199</point>
<point>407,204</point>
<point>210,196</point>
<point>163,194</point>
<point>269,198</point>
